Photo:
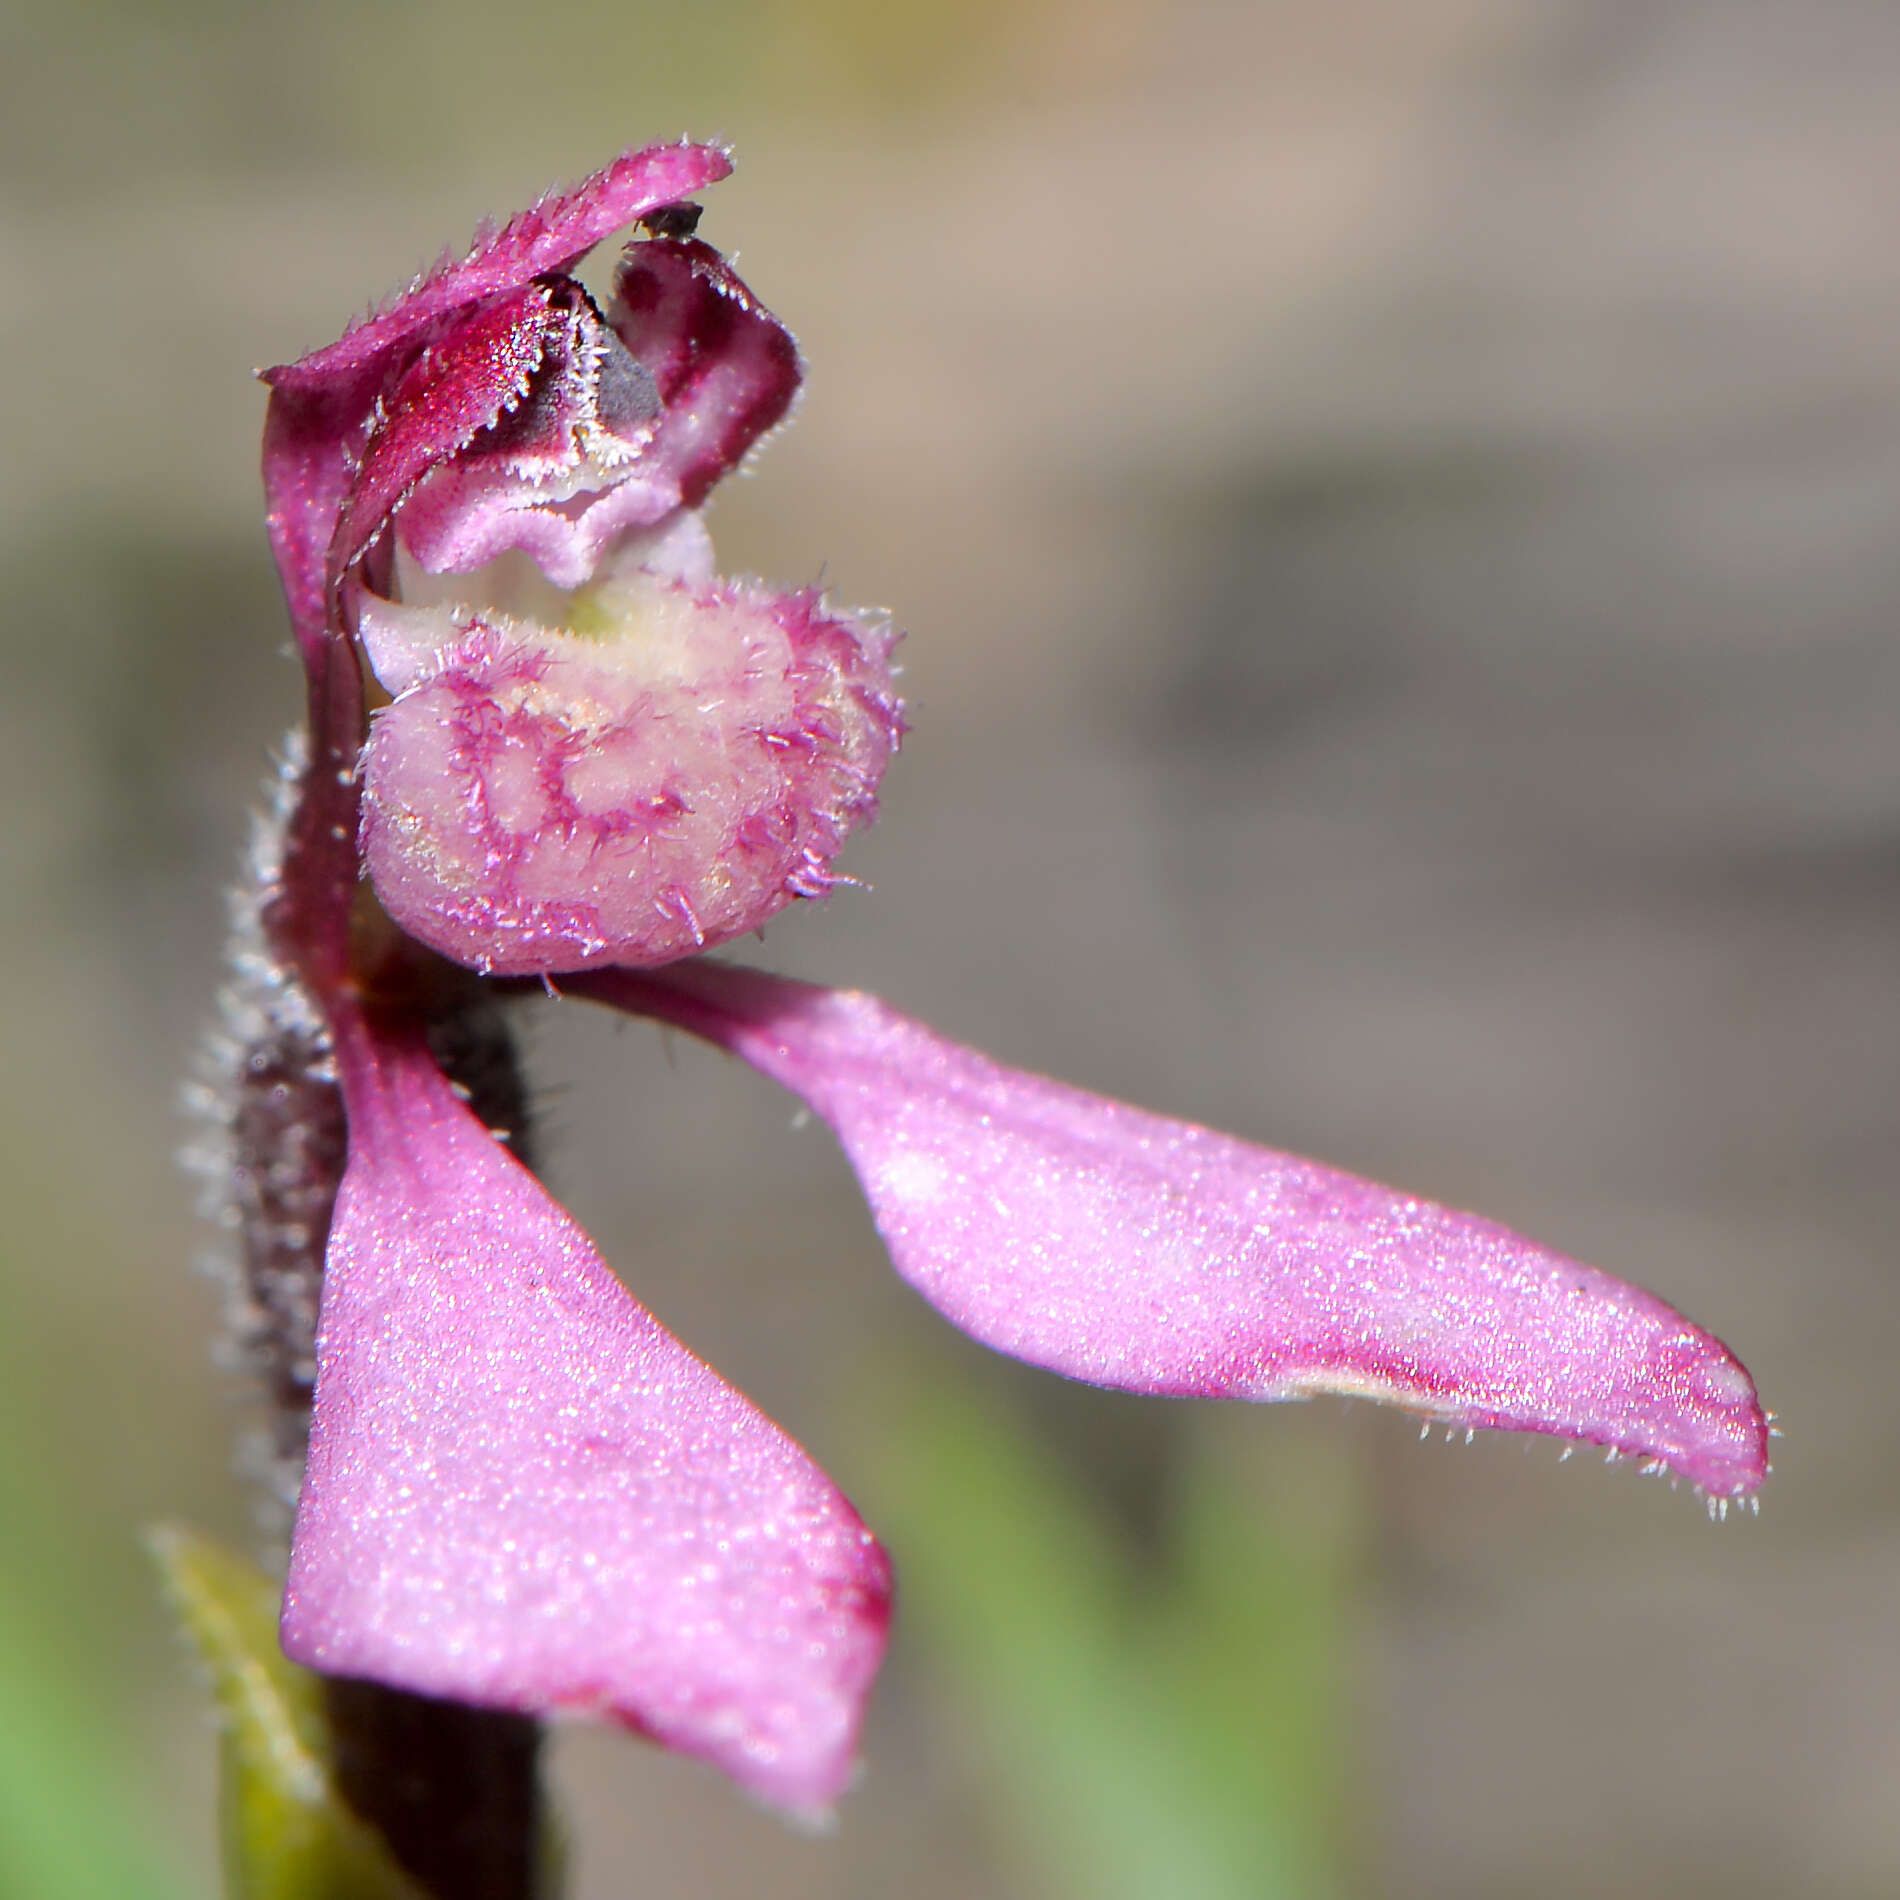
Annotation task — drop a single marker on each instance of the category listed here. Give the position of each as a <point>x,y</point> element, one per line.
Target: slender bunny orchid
<point>548,745</point>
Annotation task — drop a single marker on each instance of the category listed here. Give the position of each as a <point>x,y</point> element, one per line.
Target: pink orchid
<point>545,739</point>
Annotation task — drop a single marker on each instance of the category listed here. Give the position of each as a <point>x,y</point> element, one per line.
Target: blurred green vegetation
<point>1148,1724</point>
<point>75,1820</point>
<point>69,1822</point>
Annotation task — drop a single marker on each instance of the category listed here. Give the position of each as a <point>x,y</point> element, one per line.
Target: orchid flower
<point>549,747</point>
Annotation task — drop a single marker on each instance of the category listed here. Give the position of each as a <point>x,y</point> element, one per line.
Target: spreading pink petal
<point>1128,1250</point>
<point>524,1493</point>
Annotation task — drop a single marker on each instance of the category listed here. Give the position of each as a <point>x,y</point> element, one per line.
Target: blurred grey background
<point>1393,507</point>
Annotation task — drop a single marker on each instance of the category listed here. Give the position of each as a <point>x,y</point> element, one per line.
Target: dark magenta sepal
<point>450,394</point>
<point>725,367</point>
<point>550,236</point>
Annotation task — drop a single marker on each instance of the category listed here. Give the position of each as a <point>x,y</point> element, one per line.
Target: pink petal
<point>1128,1250</point>
<point>524,1493</point>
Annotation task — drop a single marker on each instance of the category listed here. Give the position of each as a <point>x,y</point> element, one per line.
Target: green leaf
<point>1244,1652</point>
<point>287,1834</point>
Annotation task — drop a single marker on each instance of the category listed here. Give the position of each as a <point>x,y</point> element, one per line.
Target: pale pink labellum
<point>524,1493</point>
<point>1129,1250</point>
<point>539,800</point>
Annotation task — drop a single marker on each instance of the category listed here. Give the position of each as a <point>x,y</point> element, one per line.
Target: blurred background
<point>1393,504</point>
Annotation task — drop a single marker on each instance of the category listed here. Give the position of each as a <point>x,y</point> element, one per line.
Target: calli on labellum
<point>547,741</point>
